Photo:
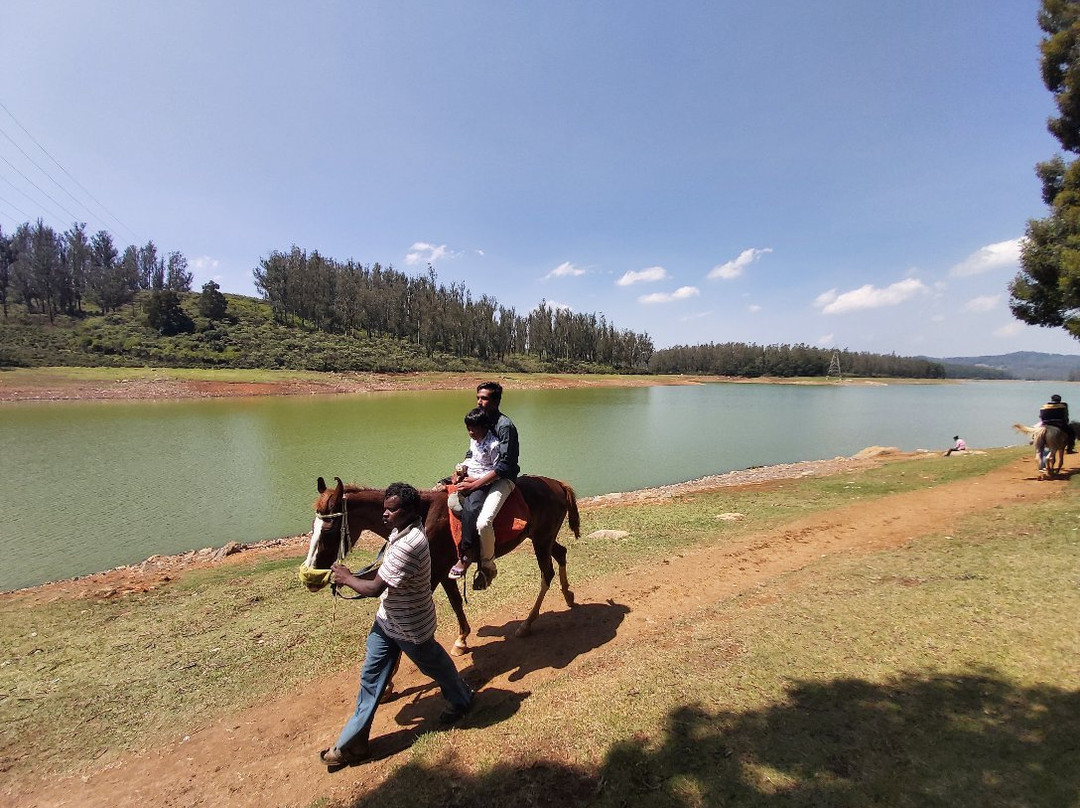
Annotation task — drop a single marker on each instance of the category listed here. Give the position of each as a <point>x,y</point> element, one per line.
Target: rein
<point>343,549</point>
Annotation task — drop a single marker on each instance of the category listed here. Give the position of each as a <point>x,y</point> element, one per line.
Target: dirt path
<point>266,755</point>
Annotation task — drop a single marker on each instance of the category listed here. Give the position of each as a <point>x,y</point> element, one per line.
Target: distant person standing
<point>959,446</point>
<point>1055,412</point>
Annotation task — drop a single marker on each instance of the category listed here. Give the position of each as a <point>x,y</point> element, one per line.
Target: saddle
<point>511,519</point>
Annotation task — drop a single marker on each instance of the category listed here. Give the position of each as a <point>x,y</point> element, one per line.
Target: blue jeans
<point>383,653</point>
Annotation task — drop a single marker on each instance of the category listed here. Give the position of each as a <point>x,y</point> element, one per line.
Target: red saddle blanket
<point>509,522</point>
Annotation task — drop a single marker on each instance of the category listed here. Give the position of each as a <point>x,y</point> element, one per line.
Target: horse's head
<point>329,536</point>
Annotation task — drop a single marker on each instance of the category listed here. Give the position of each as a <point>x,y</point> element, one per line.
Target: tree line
<point>55,273</point>
<point>355,299</point>
<point>785,361</point>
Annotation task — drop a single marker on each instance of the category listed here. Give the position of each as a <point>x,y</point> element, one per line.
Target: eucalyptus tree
<point>151,267</point>
<point>77,259</point>
<point>106,286</point>
<point>177,276</point>
<point>47,267</point>
<point>7,257</point>
<point>37,274</point>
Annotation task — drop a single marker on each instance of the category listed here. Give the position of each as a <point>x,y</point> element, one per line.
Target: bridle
<point>344,547</point>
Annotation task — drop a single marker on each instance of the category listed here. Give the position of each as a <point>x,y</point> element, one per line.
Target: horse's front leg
<point>453,594</point>
<point>526,628</point>
<point>547,573</point>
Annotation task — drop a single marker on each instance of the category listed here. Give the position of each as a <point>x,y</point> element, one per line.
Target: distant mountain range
<point>1020,365</point>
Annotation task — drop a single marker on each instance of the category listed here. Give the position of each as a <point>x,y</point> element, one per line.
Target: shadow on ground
<point>959,741</point>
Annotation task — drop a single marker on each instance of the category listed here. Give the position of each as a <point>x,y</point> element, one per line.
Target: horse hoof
<point>459,648</point>
<point>524,631</point>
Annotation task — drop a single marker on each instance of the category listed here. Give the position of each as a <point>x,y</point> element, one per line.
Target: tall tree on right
<point>1046,291</point>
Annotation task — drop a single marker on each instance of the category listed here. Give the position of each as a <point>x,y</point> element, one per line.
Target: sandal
<point>335,759</point>
<point>458,571</point>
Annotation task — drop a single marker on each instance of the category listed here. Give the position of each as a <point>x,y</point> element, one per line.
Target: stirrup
<point>484,576</point>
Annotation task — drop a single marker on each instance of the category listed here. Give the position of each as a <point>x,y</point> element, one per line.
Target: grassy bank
<point>939,674</point>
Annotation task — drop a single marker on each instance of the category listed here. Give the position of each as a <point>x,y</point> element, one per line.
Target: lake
<point>92,485</point>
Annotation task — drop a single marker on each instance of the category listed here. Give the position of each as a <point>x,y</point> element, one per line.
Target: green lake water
<point>86,486</point>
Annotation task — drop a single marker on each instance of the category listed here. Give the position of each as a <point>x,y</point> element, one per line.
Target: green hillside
<point>246,337</point>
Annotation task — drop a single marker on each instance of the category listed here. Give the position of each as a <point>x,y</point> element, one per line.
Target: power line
<point>47,174</point>
<point>52,214</point>
<point>67,173</point>
<point>74,218</point>
<point>26,215</point>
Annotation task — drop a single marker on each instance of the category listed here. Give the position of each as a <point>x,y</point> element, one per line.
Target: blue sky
<point>842,173</point>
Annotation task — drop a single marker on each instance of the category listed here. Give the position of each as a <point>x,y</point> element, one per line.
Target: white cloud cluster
<point>650,275</point>
<point>735,268</point>
<point>1002,255</point>
<point>870,297</point>
<point>682,293</point>
<point>983,303</point>
<point>565,270</point>
<point>423,253</point>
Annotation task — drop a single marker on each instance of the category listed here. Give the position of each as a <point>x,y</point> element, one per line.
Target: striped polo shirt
<point>406,610</point>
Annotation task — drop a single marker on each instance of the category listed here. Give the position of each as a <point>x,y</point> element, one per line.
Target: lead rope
<point>343,550</point>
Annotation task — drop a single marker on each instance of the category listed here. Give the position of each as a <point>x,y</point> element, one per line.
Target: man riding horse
<point>1055,412</point>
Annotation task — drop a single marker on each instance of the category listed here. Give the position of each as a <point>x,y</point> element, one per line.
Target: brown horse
<point>343,512</point>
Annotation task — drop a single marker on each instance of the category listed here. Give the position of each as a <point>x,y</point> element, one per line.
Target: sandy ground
<point>47,384</point>
<point>44,385</point>
<point>266,755</point>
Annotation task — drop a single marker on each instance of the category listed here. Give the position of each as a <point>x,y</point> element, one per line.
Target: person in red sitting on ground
<point>483,497</point>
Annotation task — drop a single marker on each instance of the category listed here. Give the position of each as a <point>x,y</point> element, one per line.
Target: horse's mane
<point>356,493</point>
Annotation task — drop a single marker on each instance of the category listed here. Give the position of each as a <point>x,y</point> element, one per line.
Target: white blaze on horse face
<point>316,532</point>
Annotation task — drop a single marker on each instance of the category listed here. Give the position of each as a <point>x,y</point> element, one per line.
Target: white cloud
<point>649,275</point>
<point>563,270</point>
<point>1009,329</point>
<point>733,269</point>
<point>1002,255</point>
<point>682,293</point>
<point>869,297</point>
<point>983,303</point>
<point>423,253</point>
<point>696,316</point>
<point>554,305</point>
<point>825,340</point>
<point>753,308</point>
<point>204,265</point>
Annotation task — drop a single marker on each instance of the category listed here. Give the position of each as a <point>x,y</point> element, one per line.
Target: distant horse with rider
<point>1050,442</point>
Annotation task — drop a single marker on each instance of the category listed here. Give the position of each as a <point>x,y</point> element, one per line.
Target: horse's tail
<point>1031,431</point>
<point>573,518</point>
